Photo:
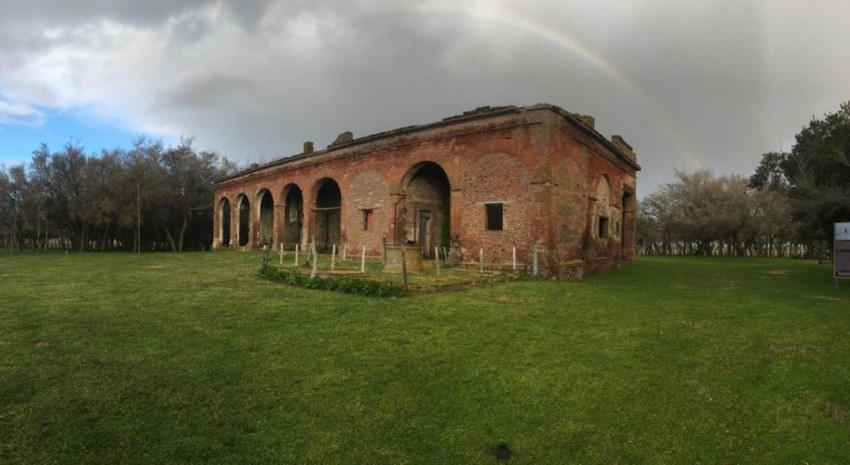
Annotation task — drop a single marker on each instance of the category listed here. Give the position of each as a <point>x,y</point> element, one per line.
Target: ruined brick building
<point>536,179</point>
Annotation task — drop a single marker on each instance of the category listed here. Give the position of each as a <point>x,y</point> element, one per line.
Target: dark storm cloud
<point>687,83</point>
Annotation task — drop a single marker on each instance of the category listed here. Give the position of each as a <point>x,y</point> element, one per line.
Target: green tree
<point>816,174</point>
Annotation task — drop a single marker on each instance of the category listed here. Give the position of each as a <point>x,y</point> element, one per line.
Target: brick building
<point>536,179</point>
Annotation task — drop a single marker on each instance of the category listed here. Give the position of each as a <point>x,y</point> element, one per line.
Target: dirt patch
<point>779,272</point>
<point>340,273</point>
<point>835,412</point>
<point>42,344</point>
<point>780,350</point>
<point>827,298</point>
<point>5,344</point>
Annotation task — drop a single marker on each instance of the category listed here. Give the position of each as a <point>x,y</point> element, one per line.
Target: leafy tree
<point>770,174</point>
<point>704,214</point>
<point>185,190</point>
<point>143,198</point>
<point>816,175</point>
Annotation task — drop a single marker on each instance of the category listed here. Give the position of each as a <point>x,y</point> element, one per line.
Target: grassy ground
<point>189,358</point>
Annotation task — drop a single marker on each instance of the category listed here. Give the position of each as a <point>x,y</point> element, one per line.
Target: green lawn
<point>190,358</point>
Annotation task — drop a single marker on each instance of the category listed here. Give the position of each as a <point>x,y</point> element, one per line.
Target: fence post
<point>514,260</point>
<point>437,256</point>
<point>333,256</point>
<point>315,256</point>
<point>403,270</point>
<point>363,260</point>
<point>481,260</point>
<point>281,254</point>
<point>296,255</point>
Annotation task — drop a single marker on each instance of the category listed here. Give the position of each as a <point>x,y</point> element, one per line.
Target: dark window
<point>603,227</point>
<point>494,216</point>
<point>368,219</point>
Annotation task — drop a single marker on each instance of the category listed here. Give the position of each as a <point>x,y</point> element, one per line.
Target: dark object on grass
<point>502,451</point>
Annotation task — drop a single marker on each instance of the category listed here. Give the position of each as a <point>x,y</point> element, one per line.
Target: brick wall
<point>539,166</point>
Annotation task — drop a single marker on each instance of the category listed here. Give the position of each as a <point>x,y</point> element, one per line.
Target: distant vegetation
<point>160,198</point>
<point>152,197</point>
<point>787,208</point>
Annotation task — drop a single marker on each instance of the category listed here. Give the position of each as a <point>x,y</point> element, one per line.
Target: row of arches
<point>420,215</point>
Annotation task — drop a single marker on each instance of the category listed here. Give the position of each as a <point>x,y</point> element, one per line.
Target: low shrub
<point>347,284</point>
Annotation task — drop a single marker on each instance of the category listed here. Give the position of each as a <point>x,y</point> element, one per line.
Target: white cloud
<point>19,113</point>
<point>706,83</point>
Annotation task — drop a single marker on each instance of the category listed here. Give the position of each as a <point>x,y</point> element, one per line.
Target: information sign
<point>841,249</point>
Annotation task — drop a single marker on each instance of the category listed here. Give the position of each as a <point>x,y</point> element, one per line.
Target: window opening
<point>603,227</point>
<point>495,219</point>
<point>368,219</point>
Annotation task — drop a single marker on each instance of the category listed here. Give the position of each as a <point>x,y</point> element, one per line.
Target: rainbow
<point>495,13</point>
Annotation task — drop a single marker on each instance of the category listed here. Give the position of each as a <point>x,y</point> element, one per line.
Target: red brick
<point>553,174</point>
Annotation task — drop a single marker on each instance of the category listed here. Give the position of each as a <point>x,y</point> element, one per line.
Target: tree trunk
<point>170,238</point>
<point>182,234</point>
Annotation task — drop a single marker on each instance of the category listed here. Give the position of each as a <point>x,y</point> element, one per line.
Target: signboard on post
<point>841,251</point>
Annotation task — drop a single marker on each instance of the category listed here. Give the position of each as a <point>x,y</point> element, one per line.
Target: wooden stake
<point>363,260</point>
<point>296,255</point>
<point>281,253</point>
<point>437,256</point>
<point>344,250</point>
<point>480,260</point>
<point>333,256</point>
<point>384,249</point>
<point>403,270</point>
<point>514,258</point>
<point>315,257</point>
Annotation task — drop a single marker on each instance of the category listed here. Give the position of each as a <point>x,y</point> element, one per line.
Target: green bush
<point>347,284</point>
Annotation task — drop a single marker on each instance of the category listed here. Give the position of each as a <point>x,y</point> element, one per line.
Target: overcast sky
<point>687,83</point>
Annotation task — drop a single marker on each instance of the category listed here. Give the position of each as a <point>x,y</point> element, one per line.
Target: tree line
<point>150,197</point>
<point>786,208</point>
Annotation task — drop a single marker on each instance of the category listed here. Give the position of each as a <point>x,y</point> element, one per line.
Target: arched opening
<point>422,219</point>
<point>266,232</point>
<point>328,208</point>
<point>244,221</point>
<point>224,233</point>
<point>293,215</point>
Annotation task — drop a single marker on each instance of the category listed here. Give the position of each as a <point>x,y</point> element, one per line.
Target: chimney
<point>308,147</point>
<point>588,121</point>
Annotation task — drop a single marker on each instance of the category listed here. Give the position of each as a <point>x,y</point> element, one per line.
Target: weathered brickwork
<point>538,180</point>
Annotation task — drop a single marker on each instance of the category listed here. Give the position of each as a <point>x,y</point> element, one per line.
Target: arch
<point>328,209</point>
<point>423,217</point>
<point>244,231</point>
<point>293,219</point>
<point>224,222</point>
<point>266,229</point>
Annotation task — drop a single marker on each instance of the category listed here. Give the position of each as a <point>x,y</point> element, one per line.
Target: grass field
<point>189,358</point>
